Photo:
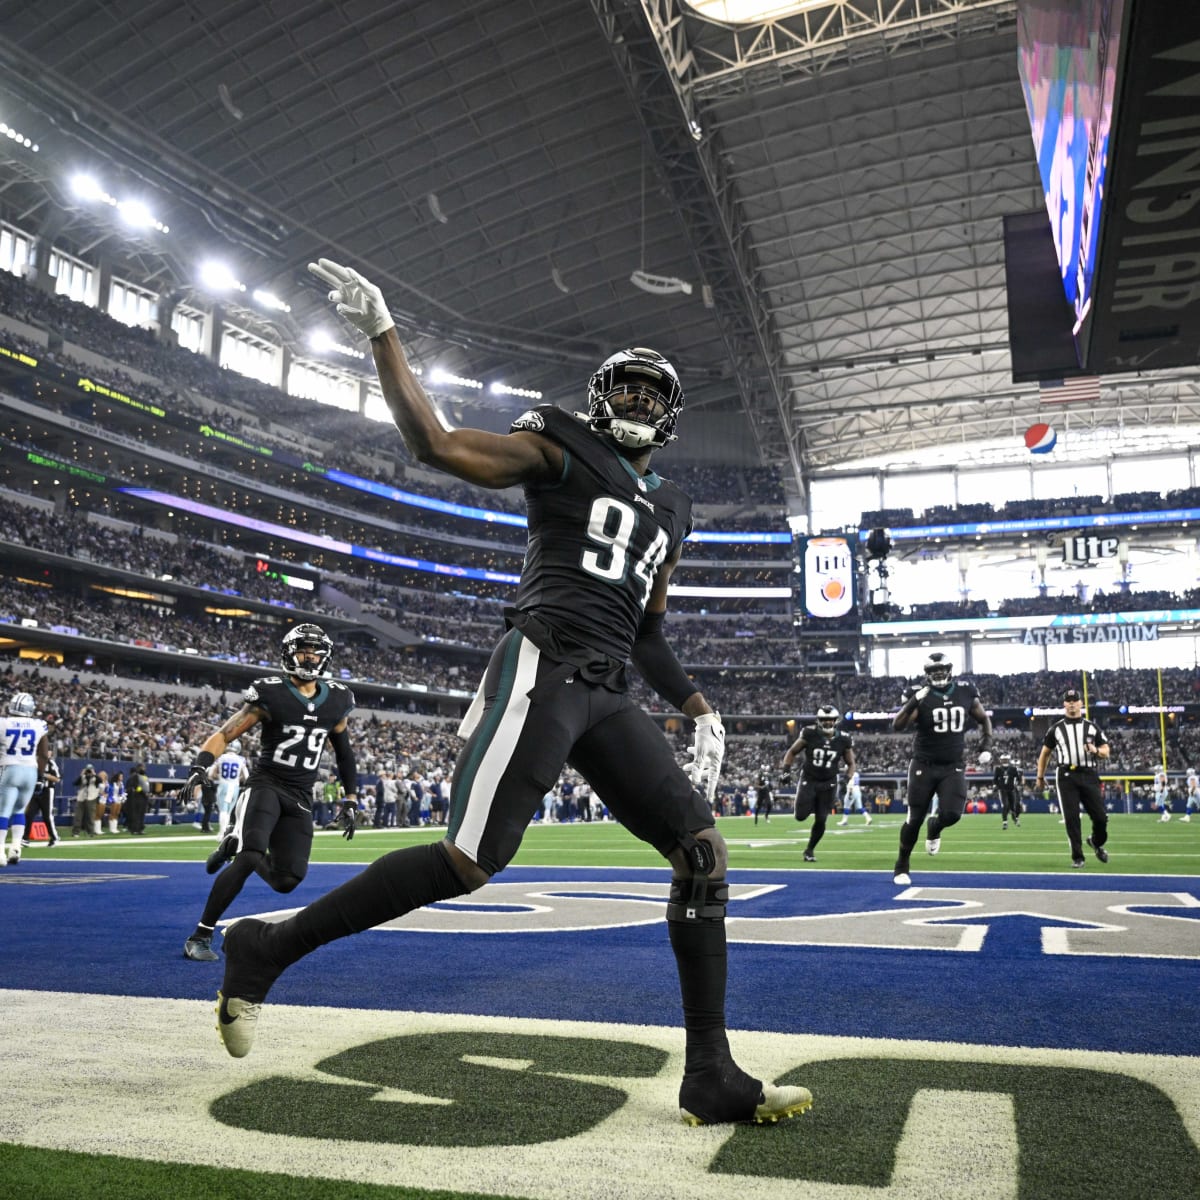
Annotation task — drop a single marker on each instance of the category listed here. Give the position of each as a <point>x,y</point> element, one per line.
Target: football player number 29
<point>312,740</point>
<point>611,524</point>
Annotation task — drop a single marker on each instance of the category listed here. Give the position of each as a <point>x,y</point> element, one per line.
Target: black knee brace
<point>698,899</point>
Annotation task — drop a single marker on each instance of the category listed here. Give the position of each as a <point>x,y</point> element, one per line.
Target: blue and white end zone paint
<point>1098,973</point>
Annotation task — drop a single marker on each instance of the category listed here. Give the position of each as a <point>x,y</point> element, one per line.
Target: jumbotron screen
<point>1067,54</point>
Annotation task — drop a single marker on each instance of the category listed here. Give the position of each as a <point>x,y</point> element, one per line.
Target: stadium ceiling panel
<point>830,186</point>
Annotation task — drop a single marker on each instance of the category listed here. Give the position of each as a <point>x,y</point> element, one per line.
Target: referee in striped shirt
<point>1078,744</point>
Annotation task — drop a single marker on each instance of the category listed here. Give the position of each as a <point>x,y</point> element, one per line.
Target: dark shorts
<point>947,781</point>
<point>815,795</point>
<point>279,819</point>
<point>515,753</point>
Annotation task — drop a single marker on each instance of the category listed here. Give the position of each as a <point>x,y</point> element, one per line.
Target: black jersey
<point>942,723</point>
<point>296,727</point>
<point>597,537</point>
<point>1007,777</point>
<point>822,752</point>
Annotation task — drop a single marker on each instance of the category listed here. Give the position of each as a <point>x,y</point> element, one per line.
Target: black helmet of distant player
<point>635,398</point>
<point>314,643</point>
<point>939,671</point>
<point>827,718</point>
<point>22,705</point>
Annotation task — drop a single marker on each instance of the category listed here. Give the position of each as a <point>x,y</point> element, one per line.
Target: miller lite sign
<point>1081,549</point>
<point>828,577</point>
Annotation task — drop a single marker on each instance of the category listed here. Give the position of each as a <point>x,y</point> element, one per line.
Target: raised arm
<point>488,460</point>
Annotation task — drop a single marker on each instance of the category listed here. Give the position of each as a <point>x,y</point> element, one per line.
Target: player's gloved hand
<point>709,752</point>
<point>919,694</point>
<point>359,301</point>
<point>197,776</point>
<point>349,815</point>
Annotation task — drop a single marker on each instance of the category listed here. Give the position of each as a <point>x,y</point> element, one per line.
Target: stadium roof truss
<point>831,186</point>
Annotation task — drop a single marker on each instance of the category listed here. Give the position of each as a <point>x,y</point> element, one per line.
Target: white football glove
<point>921,693</point>
<point>708,751</point>
<point>360,302</point>
<point>985,757</point>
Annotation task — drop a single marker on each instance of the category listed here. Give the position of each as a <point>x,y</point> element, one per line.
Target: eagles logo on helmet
<point>22,705</point>
<point>827,718</point>
<point>311,638</point>
<point>939,671</point>
<point>635,398</point>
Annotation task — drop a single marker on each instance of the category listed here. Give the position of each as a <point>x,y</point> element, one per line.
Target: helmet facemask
<point>939,671</point>
<point>827,718</point>
<point>635,398</point>
<point>307,638</point>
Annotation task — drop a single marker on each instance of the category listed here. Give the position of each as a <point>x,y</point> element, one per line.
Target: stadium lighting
<point>437,375</point>
<point>15,135</point>
<point>86,187</point>
<point>502,389</point>
<point>322,343</point>
<point>218,277</point>
<point>270,300</point>
<point>135,213</point>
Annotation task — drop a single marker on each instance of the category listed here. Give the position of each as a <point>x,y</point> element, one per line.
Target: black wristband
<point>204,760</point>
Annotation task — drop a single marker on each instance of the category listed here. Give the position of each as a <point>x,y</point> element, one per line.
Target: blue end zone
<point>119,928</point>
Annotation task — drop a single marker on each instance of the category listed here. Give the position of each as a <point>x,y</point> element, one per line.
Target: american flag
<point>1070,391</point>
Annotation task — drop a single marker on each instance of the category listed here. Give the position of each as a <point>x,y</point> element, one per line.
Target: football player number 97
<point>296,735</point>
<point>611,563</point>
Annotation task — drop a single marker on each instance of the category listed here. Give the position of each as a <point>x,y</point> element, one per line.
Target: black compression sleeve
<point>657,664</point>
<point>347,767</point>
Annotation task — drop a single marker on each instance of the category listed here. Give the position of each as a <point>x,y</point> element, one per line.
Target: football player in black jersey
<point>605,533</point>
<point>272,827</point>
<point>1007,780</point>
<point>824,749</point>
<point>764,794</point>
<point>941,709</point>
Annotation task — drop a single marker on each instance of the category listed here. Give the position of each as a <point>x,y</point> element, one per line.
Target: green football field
<point>1138,844</point>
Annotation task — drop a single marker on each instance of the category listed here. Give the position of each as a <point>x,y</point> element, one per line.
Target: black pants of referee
<point>1078,786</point>
<point>42,803</point>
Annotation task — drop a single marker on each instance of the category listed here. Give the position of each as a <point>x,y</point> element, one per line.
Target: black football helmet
<point>827,718</point>
<point>635,398</point>
<point>939,670</point>
<point>306,637</point>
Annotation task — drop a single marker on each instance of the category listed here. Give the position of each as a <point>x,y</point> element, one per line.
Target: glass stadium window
<point>16,249</point>
<point>132,305</point>
<point>248,355</point>
<point>834,501</point>
<point>918,491</point>
<point>375,407</point>
<point>1150,474</point>
<point>993,487</point>
<point>1085,656</point>
<point>188,324</point>
<point>1081,479</point>
<point>72,277</point>
<point>1002,657</point>
<point>312,382</point>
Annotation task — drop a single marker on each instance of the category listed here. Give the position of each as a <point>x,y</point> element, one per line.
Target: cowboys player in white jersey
<point>229,773</point>
<point>1191,795</point>
<point>605,533</point>
<point>272,829</point>
<point>24,753</point>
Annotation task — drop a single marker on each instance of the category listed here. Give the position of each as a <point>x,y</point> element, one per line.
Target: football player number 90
<point>295,735</point>
<point>611,525</point>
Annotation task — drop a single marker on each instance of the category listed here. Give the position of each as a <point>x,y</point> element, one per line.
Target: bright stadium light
<point>270,300</point>
<point>86,187</point>
<point>503,389</point>
<point>437,375</point>
<point>218,277</point>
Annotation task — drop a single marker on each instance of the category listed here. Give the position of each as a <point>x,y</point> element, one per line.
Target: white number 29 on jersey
<point>610,526</point>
